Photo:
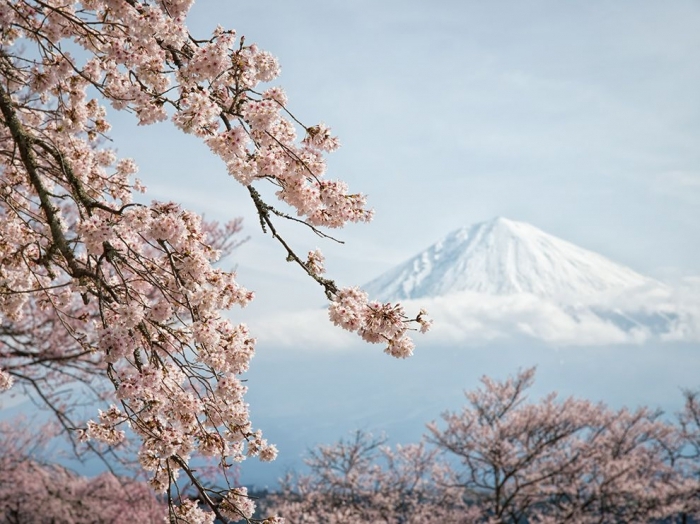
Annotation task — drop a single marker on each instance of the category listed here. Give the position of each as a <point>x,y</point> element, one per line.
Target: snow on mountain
<point>504,257</point>
<point>504,278</point>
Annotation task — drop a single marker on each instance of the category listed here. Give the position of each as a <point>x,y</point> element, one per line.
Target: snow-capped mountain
<point>504,277</point>
<point>504,257</point>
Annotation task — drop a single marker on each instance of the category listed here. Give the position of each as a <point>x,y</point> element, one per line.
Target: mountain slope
<point>503,257</point>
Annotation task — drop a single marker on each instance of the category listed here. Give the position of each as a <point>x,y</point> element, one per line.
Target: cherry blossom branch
<point>134,286</point>
<point>264,210</point>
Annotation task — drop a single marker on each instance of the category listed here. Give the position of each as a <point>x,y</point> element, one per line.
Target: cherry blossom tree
<point>687,455</point>
<point>558,460</point>
<point>361,479</point>
<point>503,459</point>
<point>34,491</point>
<point>94,283</point>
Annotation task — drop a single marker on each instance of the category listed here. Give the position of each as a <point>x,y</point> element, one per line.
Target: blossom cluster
<point>375,322</point>
<point>106,430</point>
<point>6,380</point>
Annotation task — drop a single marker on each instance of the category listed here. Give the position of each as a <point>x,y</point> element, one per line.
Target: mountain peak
<point>501,221</point>
<point>501,257</point>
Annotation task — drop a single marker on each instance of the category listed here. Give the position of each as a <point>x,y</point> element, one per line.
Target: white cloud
<point>480,316</point>
<point>682,179</point>
<point>306,329</point>
<point>657,313</point>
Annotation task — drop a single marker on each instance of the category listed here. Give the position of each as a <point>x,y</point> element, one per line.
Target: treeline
<point>502,459</point>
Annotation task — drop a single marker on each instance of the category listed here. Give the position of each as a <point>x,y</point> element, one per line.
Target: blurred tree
<point>34,491</point>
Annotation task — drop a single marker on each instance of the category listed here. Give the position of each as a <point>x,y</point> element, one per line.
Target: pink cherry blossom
<point>93,284</point>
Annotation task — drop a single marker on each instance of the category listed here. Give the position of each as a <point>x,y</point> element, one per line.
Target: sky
<point>581,118</point>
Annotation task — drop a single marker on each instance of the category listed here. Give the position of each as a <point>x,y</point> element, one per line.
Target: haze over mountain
<point>502,257</point>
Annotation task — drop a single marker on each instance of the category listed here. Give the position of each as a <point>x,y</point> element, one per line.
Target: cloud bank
<point>643,315</point>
